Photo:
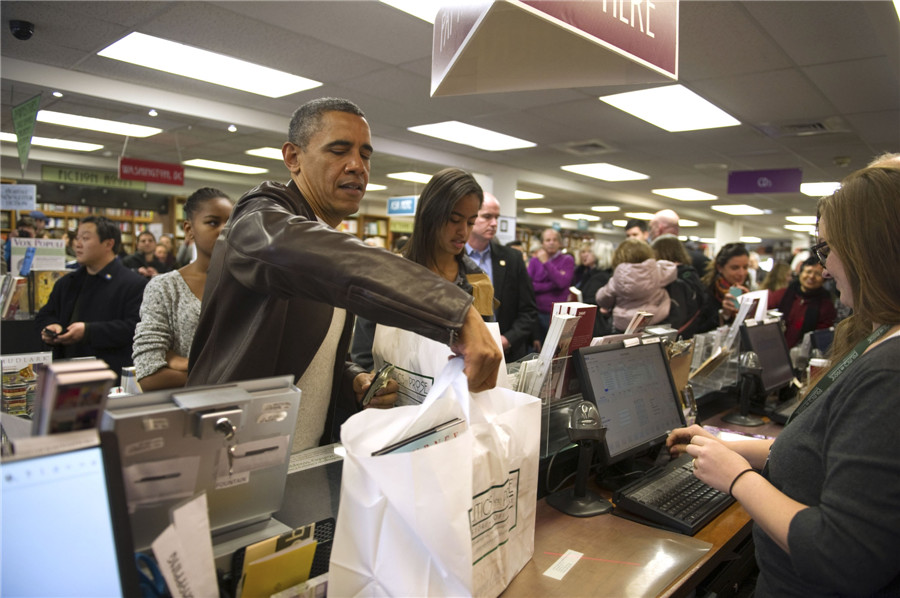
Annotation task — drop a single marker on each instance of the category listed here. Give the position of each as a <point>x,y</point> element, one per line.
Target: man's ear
<point>291,155</point>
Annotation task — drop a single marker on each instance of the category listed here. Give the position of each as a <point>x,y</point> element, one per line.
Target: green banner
<point>24,116</point>
<point>76,176</point>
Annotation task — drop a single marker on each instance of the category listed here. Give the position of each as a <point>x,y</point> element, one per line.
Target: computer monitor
<point>635,394</point>
<point>65,528</point>
<point>766,339</point>
<point>231,441</point>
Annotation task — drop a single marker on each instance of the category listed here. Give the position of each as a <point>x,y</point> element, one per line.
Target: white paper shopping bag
<point>453,519</point>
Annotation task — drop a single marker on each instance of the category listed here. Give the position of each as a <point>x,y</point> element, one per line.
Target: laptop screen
<point>60,528</point>
<point>634,393</point>
<point>767,341</point>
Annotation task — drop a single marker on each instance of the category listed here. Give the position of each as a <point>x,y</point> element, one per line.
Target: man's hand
<point>542,255</point>
<point>505,342</point>
<point>384,398</point>
<point>49,338</point>
<point>480,353</point>
<point>74,333</point>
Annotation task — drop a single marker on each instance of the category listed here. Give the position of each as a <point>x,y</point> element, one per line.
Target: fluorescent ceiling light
<point>750,240</point>
<point>412,177</point>
<point>457,132</point>
<point>801,228</point>
<point>375,187</point>
<point>272,153</point>
<point>683,238</point>
<point>605,208</point>
<point>528,195</point>
<point>539,210</point>
<point>738,210</point>
<point>588,217</point>
<point>619,223</point>
<point>640,215</point>
<point>186,61</point>
<point>802,219</point>
<point>78,146</point>
<point>605,172</point>
<point>819,189</point>
<point>685,194</point>
<point>672,107</point>
<point>213,165</point>
<point>687,223</point>
<point>422,9</point>
<point>707,240</point>
<point>95,124</point>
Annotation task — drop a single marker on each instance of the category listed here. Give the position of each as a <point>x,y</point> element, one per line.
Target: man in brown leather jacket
<point>283,285</point>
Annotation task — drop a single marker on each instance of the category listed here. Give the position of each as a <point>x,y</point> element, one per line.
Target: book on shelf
<point>15,297</point>
<point>70,395</point>
<point>19,380</point>
<point>43,285</point>
<point>581,337</point>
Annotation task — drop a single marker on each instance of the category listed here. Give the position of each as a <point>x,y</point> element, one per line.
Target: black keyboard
<point>672,498</point>
<point>781,413</point>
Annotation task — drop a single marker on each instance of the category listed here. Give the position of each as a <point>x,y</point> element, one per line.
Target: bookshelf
<point>367,226</point>
<point>130,222</point>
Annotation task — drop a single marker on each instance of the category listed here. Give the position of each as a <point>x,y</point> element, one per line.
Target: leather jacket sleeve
<point>294,255</point>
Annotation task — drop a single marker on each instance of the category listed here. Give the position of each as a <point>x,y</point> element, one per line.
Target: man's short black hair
<point>641,224</point>
<point>106,229</point>
<point>307,119</point>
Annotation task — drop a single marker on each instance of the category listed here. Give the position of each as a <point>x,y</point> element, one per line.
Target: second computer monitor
<point>766,339</point>
<point>635,394</point>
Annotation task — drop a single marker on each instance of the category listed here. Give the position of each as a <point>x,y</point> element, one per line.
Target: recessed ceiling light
<point>528,195</point>
<point>619,223</point>
<point>819,189</point>
<point>738,210</point>
<point>57,94</point>
<point>213,165</point>
<point>77,146</point>
<point>95,124</point>
<point>802,219</point>
<point>153,112</point>
<point>232,129</point>
<point>801,228</point>
<point>539,210</point>
<point>588,217</point>
<point>186,61</point>
<point>412,177</point>
<point>640,215</point>
<point>375,187</point>
<point>457,132</point>
<point>605,208</point>
<point>272,153</point>
<point>750,240</point>
<point>687,223</point>
<point>605,172</point>
<point>672,107</point>
<point>685,194</point>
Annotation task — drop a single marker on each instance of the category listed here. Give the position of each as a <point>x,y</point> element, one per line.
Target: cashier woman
<point>825,495</point>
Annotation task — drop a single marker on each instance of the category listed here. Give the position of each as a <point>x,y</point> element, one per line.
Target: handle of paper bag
<point>451,376</point>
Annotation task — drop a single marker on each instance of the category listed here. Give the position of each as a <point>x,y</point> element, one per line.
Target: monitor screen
<point>174,445</point>
<point>64,529</point>
<point>634,393</point>
<point>767,341</point>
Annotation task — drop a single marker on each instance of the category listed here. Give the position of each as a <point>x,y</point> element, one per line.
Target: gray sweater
<point>841,458</point>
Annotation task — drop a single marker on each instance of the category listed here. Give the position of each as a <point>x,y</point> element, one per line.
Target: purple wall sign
<point>786,180</point>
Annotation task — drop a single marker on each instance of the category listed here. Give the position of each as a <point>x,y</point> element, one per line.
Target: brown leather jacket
<point>276,273</point>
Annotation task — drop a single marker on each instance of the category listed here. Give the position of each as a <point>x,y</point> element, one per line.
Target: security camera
<point>21,29</point>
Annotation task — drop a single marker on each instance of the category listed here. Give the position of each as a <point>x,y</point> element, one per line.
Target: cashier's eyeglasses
<point>821,251</point>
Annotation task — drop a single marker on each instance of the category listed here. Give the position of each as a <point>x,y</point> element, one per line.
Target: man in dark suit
<point>517,313</point>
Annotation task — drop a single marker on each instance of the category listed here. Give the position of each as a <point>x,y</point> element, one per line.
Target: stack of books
<point>71,395</point>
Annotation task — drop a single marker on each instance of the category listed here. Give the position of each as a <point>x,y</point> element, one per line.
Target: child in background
<point>638,283</point>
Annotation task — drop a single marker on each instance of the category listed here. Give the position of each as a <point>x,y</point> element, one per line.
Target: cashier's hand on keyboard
<point>714,463</point>
<point>384,398</point>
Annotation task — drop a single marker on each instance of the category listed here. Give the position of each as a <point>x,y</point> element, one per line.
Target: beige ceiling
<point>773,65</point>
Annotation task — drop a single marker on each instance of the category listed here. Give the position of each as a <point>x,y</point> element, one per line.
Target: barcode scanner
<point>585,429</point>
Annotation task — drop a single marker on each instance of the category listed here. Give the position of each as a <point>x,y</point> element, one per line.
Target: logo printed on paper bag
<point>493,516</point>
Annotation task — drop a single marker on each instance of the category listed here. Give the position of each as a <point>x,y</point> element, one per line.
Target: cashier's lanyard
<point>833,374</point>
